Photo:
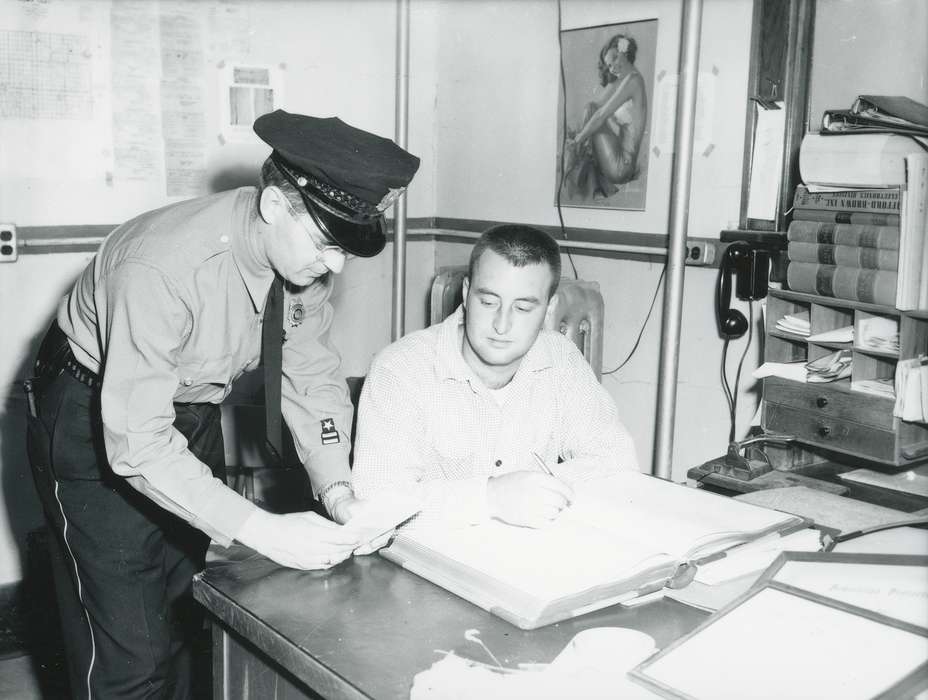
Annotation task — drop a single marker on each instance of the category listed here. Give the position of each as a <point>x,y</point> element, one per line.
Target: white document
<point>766,163</point>
<point>381,514</point>
<point>795,371</point>
<point>838,335</point>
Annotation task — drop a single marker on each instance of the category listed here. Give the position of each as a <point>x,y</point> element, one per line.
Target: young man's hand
<point>527,498</point>
<point>298,540</point>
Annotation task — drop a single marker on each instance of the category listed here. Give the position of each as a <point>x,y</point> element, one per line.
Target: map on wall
<point>44,76</point>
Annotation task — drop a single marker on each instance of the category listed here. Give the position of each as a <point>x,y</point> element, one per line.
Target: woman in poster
<point>603,153</point>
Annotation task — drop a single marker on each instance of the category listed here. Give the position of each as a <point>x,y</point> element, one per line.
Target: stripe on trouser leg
<point>80,593</point>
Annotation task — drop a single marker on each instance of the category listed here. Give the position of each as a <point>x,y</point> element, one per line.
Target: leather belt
<point>81,373</point>
<point>55,356</point>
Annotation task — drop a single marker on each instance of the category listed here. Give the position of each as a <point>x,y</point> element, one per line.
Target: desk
<point>366,627</point>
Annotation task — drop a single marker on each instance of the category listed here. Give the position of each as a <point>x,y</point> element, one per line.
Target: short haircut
<point>520,245</point>
<point>605,75</point>
<point>271,176</point>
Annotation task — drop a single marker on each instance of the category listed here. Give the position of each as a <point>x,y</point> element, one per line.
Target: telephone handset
<point>750,267</point>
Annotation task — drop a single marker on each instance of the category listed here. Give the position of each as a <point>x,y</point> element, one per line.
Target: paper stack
<point>912,390</point>
<point>879,333</point>
<point>797,323</point>
<point>830,368</point>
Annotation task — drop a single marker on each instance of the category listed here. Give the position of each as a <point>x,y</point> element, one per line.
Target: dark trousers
<point>122,565</point>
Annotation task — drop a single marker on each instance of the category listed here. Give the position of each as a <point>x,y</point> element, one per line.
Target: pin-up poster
<point>604,115</point>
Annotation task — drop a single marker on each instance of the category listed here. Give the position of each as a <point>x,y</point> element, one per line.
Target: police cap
<point>347,177</point>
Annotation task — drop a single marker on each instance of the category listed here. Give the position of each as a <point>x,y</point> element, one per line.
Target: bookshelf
<point>845,416</point>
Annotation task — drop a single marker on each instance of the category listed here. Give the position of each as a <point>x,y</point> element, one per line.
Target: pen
<point>541,463</point>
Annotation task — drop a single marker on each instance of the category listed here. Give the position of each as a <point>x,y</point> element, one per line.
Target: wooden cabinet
<point>851,416</point>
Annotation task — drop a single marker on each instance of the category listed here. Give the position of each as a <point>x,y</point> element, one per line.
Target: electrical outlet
<point>8,245</point>
<point>702,251</point>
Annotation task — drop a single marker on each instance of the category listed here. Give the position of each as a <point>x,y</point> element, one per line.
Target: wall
<point>843,64</point>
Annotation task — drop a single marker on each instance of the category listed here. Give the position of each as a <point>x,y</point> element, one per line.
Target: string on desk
<point>731,397</point>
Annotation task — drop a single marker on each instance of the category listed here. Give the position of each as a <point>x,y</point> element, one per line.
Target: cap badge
<point>389,198</point>
<point>302,181</point>
<point>296,313</point>
<point>329,434</point>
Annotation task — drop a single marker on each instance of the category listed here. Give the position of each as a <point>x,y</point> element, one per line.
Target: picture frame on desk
<point>782,638</point>
<point>891,585</point>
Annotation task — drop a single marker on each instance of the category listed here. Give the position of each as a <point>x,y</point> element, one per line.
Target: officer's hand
<point>298,540</point>
<point>527,498</point>
<point>374,544</point>
<point>348,508</point>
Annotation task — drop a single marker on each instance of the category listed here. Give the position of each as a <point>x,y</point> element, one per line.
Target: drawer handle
<point>824,431</point>
<point>821,402</point>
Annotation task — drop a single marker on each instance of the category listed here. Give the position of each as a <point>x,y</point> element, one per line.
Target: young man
<point>457,412</point>
<point>125,439</point>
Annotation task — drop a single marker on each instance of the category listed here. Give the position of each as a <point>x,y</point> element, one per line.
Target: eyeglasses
<point>322,248</point>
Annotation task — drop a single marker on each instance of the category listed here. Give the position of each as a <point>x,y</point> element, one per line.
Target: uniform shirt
<point>170,310</point>
<point>428,426</point>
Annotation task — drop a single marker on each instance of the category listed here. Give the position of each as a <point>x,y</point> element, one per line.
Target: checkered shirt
<point>428,426</point>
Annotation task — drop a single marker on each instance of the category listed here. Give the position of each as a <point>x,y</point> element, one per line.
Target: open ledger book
<point>625,535</point>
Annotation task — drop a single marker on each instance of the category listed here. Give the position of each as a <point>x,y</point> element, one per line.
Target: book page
<point>675,519</point>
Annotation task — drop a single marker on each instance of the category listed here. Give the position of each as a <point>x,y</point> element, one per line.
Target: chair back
<point>578,310</point>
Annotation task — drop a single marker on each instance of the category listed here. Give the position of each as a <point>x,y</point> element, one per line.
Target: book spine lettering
<point>876,200</point>
<point>865,235</point>
<point>847,255</point>
<point>851,283</point>
<point>846,217</point>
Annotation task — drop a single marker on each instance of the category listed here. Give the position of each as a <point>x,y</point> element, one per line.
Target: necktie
<point>272,357</point>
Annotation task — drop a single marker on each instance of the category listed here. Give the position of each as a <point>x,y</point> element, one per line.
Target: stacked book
<point>845,244</point>
<point>860,219</point>
<point>876,114</point>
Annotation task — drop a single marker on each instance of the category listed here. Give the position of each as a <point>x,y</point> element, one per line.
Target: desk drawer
<point>831,402</point>
<point>830,432</point>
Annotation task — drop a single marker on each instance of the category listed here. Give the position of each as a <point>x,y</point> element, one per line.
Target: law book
<point>866,235</point>
<point>847,255</point>
<point>862,160</point>
<point>892,109</point>
<point>846,217</point>
<point>913,231</point>
<point>851,283</point>
<point>879,201</point>
<point>624,536</point>
<point>845,121</point>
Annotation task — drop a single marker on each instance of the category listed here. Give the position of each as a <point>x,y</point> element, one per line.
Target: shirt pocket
<point>198,372</point>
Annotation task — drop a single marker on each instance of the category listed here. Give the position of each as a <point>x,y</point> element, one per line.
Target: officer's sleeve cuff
<point>225,516</point>
<point>327,465</point>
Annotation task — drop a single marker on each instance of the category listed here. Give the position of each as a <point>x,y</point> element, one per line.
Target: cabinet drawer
<point>829,402</point>
<point>831,432</point>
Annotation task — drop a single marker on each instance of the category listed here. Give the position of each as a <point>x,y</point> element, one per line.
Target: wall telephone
<point>750,266</point>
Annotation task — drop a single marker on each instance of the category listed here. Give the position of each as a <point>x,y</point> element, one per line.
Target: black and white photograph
<point>609,90</point>
<point>473,349</point>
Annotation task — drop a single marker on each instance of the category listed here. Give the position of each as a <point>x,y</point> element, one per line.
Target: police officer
<point>125,440</point>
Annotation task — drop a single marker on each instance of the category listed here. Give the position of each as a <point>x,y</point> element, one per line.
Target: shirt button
<point>223,239</point>
<point>499,463</point>
<point>188,381</point>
